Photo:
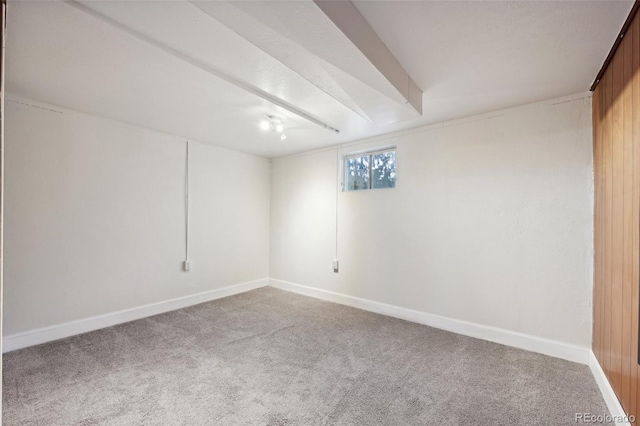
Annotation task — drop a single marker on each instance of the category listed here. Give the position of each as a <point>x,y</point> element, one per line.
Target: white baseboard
<point>527,342</point>
<point>47,334</point>
<point>510,338</point>
<point>609,395</point>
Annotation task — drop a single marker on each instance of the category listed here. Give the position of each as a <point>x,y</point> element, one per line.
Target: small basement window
<point>370,170</point>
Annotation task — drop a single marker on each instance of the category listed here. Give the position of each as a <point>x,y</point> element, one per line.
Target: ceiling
<point>210,70</point>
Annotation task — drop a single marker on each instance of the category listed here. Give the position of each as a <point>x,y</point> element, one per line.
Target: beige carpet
<point>268,357</point>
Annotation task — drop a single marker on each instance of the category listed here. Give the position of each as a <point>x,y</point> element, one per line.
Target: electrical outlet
<point>336,265</point>
<point>187,265</point>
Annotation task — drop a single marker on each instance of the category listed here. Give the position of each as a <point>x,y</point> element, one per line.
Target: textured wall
<point>491,222</point>
<point>95,217</point>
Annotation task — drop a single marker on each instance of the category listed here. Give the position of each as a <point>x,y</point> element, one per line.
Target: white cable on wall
<point>338,185</point>
<point>187,262</point>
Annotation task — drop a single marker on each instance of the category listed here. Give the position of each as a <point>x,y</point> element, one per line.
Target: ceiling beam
<point>348,19</point>
<point>202,66</point>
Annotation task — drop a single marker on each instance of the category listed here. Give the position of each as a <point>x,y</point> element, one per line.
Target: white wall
<point>491,222</point>
<point>95,217</point>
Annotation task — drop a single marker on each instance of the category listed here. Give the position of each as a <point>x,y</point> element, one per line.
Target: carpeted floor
<point>269,357</point>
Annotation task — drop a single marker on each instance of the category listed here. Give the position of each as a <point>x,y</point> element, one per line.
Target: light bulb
<point>279,128</point>
<point>265,125</point>
<point>283,136</point>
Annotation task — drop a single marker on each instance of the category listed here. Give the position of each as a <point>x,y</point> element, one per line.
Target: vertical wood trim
<point>596,335</point>
<point>627,212</point>
<point>598,231</point>
<point>617,141</point>
<point>608,214</point>
<point>599,169</point>
<point>602,224</point>
<point>634,32</point>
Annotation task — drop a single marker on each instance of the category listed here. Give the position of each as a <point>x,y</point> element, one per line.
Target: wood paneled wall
<point>616,132</point>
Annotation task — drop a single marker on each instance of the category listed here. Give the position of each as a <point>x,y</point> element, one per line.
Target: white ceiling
<point>175,66</point>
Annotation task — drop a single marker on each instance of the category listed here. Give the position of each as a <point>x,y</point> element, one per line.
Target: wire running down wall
<point>96,223</point>
<point>490,222</point>
<point>616,133</point>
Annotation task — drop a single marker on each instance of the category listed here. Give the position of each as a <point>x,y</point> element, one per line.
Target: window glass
<point>357,172</point>
<point>383,170</point>
<point>370,170</point>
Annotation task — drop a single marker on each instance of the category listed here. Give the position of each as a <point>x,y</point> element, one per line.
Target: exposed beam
<point>348,19</point>
<point>334,49</point>
<point>202,66</point>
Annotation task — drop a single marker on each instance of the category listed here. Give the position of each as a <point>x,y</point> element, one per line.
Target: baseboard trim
<point>60,331</point>
<point>610,398</point>
<point>510,338</point>
<point>527,342</point>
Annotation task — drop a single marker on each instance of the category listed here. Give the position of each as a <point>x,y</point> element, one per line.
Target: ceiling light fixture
<point>273,123</point>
